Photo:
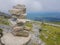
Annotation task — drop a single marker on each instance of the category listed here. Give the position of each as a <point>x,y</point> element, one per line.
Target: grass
<point>29,24</point>
<point>4,21</point>
<point>1,30</point>
<point>54,22</point>
<point>50,34</point>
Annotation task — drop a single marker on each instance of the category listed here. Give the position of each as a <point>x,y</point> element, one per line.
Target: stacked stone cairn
<point>19,12</point>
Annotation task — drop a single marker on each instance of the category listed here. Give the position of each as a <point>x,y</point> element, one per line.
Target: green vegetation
<point>50,34</point>
<point>28,24</point>
<point>1,30</point>
<point>4,20</point>
<point>56,22</point>
<point>53,22</point>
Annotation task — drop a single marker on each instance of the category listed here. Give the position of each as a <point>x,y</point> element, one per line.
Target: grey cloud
<point>48,5</point>
<point>51,5</point>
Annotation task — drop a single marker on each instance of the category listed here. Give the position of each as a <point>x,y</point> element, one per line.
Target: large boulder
<point>9,39</point>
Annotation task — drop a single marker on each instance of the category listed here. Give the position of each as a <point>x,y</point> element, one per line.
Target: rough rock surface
<point>9,39</point>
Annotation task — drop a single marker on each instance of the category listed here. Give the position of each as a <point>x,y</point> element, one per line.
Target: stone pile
<point>19,12</point>
<point>18,35</point>
<point>19,31</point>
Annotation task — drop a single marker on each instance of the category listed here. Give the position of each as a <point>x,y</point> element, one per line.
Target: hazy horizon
<point>33,6</point>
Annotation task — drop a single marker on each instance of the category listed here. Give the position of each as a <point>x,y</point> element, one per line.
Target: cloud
<point>36,6</point>
<point>32,5</point>
<point>51,5</point>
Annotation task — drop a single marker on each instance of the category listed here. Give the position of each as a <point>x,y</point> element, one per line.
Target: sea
<point>44,16</point>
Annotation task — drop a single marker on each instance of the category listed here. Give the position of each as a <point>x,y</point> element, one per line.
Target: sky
<point>32,5</point>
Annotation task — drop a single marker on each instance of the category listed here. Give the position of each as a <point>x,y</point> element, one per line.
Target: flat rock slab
<point>9,39</point>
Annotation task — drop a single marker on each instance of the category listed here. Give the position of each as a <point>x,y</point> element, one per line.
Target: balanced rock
<point>19,31</point>
<point>17,28</point>
<point>22,33</point>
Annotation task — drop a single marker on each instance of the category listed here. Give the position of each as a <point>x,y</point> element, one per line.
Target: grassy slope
<point>55,22</point>
<point>50,35</point>
<point>4,21</point>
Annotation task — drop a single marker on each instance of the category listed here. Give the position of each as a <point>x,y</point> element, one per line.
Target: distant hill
<point>32,16</point>
<point>52,19</point>
<point>48,19</point>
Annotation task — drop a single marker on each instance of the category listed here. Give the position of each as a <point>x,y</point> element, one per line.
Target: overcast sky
<point>32,5</point>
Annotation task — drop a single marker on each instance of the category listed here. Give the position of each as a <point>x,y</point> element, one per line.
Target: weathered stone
<point>18,11</point>
<point>22,33</point>
<point>9,39</point>
<point>19,6</point>
<point>17,28</point>
<point>19,31</point>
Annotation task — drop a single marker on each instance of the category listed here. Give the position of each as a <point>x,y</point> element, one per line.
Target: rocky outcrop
<point>10,39</point>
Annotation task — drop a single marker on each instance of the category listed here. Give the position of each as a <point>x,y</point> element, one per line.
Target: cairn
<point>19,13</point>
